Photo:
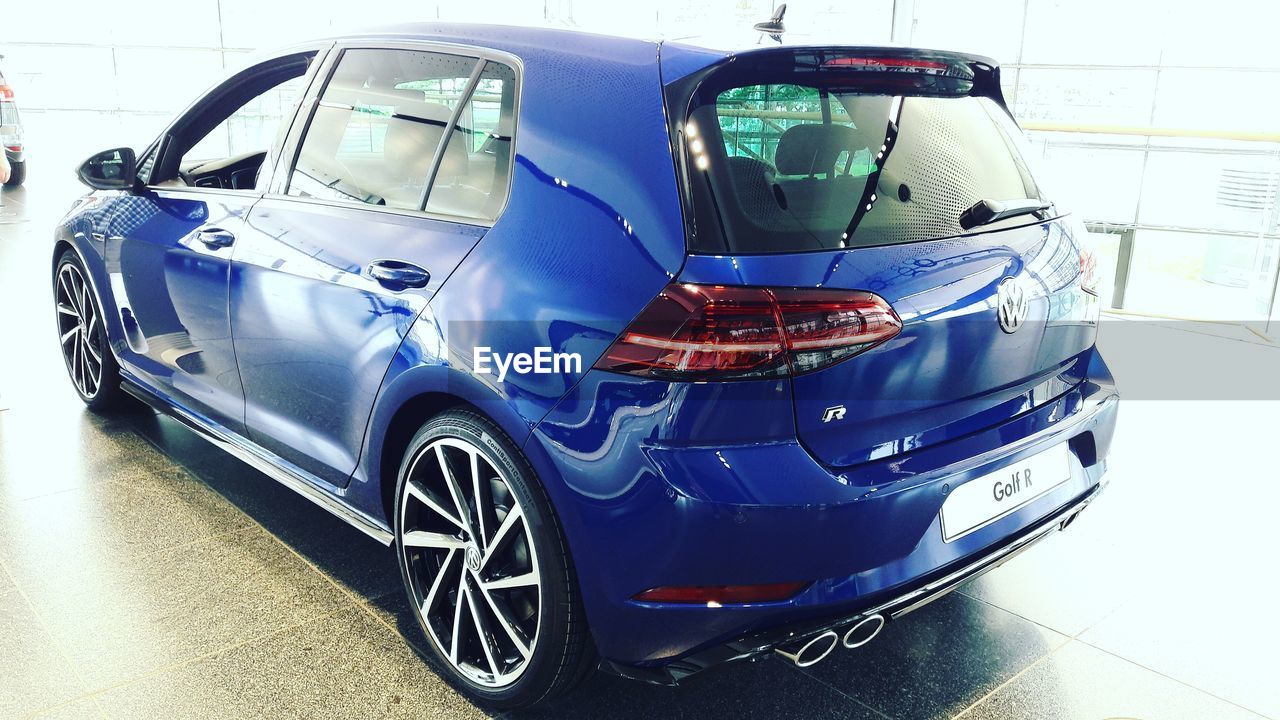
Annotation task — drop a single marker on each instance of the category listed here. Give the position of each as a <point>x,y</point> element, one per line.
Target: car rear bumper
<point>640,513</point>
<point>889,605</point>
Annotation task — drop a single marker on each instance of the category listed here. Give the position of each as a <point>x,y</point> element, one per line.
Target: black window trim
<point>288,158</point>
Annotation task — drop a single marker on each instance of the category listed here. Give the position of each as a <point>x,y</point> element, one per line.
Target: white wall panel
<point>162,79</point>
<point>48,76</point>
<point>995,31</point>
<point>185,23</point>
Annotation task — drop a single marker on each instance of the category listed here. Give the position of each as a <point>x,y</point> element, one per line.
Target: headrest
<point>813,148</point>
<point>413,134</point>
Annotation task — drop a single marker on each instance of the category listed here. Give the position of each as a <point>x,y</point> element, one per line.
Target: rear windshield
<point>827,151</point>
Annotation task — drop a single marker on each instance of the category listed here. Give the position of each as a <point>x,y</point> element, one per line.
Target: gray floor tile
<point>36,461</point>
<point>35,675</point>
<point>6,581</point>
<point>1079,681</point>
<point>92,530</point>
<point>350,557</point>
<point>344,666</point>
<point>750,690</point>
<point>1219,637</point>
<point>85,709</point>
<point>122,621</point>
<point>1070,581</point>
<point>939,659</point>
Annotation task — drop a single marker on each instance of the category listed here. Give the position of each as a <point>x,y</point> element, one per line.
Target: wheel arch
<point>64,240</point>
<point>60,246</point>
<point>412,414</point>
<point>410,397</point>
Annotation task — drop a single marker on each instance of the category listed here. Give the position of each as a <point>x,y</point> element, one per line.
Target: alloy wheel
<point>471,563</point>
<point>78,331</point>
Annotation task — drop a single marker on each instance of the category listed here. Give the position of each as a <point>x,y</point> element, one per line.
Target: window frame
<point>159,149</point>
<point>277,189</point>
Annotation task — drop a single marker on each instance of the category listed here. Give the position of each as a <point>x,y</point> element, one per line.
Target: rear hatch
<point>849,171</point>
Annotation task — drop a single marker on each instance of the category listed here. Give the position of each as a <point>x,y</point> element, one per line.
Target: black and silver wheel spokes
<point>78,331</point>
<point>472,566</point>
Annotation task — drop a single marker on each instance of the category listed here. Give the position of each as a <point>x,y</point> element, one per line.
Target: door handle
<point>398,274</point>
<point>215,237</point>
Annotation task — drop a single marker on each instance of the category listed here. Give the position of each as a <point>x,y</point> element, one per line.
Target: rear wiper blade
<point>985,212</point>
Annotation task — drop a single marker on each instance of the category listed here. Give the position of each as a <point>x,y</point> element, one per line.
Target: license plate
<point>985,499</point>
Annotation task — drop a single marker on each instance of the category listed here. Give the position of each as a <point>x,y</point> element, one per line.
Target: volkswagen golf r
<point>837,344</point>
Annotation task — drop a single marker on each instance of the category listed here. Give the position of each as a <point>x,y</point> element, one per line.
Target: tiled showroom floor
<point>143,574</point>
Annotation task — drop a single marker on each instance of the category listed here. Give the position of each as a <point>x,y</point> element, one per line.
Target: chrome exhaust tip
<point>863,631</point>
<point>812,652</point>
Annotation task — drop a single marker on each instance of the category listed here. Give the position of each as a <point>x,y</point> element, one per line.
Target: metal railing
<point>1258,192</point>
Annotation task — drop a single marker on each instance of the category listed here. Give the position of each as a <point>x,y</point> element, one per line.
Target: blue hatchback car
<point>645,356</point>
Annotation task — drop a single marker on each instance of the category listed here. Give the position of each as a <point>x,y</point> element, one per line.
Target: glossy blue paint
<point>169,291</point>
<point>314,334</point>
<point>305,356</point>
<point>686,511</point>
<point>911,392</point>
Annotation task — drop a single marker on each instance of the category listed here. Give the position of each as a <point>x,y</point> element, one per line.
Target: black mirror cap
<point>115,169</point>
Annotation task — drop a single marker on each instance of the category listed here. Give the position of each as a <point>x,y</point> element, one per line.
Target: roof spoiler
<point>981,71</point>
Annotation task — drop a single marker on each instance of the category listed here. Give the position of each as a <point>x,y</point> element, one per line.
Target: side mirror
<point>110,170</point>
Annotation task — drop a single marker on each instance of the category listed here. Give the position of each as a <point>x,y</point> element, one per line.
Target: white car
<point>11,135</point>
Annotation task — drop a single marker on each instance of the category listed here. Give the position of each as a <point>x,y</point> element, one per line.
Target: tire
<point>85,351</point>
<point>17,174</point>
<point>534,644</point>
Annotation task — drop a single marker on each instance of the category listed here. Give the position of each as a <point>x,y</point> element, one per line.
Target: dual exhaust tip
<point>817,648</point>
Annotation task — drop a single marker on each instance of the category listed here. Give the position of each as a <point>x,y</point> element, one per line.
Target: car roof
<point>555,38</point>
<point>543,37</point>
<point>678,56</point>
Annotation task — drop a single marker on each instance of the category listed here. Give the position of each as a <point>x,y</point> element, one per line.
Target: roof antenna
<point>773,27</point>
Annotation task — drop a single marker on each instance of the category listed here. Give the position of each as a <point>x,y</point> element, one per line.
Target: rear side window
<point>820,153</point>
<point>473,178</point>
<point>378,134</point>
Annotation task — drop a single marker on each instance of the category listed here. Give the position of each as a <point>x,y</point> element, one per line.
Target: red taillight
<point>823,327</point>
<point>14,148</point>
<point>6,92</point>
<point>714,332</point>
<point>722,594</point>
<point>887,63</point>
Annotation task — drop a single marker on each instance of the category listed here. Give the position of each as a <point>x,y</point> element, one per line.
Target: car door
<point>168,246</point>
<point>348,248</point>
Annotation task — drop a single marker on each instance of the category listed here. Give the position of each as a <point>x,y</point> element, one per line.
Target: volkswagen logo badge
<point>473,558</point>
<point>1012,305</point>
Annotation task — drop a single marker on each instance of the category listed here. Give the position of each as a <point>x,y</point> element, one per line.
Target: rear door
<point>868,170</point>
<point>398,173</point>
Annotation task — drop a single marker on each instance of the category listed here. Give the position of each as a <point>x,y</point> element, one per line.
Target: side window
<point>378,125</point>
<point>376,128</point>
<point>226,141</point>
<point>253,127</point>
<point>473,177</point>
